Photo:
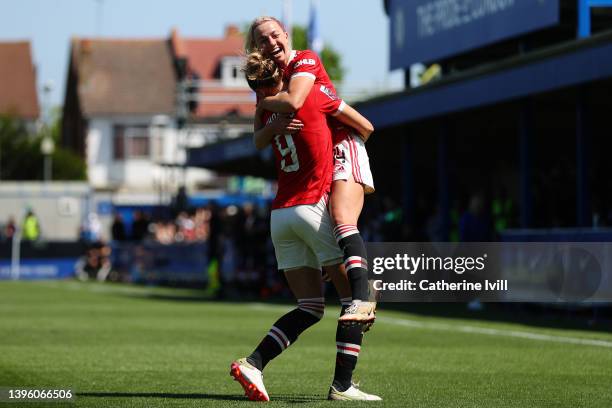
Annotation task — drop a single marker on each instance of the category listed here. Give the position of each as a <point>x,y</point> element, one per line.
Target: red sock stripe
<point>345,230</point>
<point>348,348</point>
<point>318,308</point>
<point>279,333</point>
<point>356,350</point>
<point>345,227</point>
<point>355,262</point>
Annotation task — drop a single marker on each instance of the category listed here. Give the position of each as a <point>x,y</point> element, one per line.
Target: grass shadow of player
<point>288,398</point>
<point>172,395</point>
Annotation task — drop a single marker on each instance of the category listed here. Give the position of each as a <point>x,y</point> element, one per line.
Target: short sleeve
<point>306,64</point>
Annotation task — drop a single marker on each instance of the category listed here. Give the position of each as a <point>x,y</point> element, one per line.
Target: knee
<point>340,215</point>
<point>315,307</point>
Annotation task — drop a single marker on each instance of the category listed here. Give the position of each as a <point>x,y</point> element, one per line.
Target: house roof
<point>17,81</point>
<point>204,56</point>
<point>122,76</point>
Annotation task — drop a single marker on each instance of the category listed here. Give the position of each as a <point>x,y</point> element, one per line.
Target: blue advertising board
<point>158,264</point>
<point>43,268</point>
<point>428,30</point>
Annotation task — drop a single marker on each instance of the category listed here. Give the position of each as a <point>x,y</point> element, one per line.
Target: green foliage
<point>333,64</point>
<point>299,38</point>
<point>21,158</point>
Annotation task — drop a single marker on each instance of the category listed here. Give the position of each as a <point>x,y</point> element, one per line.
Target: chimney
<point>232,31</point>
<point>177,44</point>
<point>85,46</point>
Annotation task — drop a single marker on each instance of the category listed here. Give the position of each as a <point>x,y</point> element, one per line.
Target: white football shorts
<point>303,236</point>
<point>351,157</point>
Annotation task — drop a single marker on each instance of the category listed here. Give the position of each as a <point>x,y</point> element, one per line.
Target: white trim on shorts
<point>351,157</point>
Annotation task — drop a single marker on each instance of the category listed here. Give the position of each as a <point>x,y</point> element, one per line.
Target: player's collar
<point>292,55</point>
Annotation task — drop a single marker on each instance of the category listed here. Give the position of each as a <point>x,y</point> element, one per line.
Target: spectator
<point>140,226</point>
<point>474,225</point>
<point>95,264</point>
<point>118,228</point>
<point>10,228</point>
<point>31,227</point>
<point>91,231</point>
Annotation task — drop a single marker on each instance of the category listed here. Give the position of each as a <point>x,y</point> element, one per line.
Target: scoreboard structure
<point>429,30</point>
<point>520,111</point>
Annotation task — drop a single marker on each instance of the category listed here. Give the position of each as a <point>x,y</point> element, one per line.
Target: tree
<point>21,158</point>
<point>329,56</point>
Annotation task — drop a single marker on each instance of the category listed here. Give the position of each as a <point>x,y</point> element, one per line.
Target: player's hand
<point>286,125</point>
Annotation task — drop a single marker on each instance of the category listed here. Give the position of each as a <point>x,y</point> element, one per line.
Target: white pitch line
<point>469,329</point>
<point>494,332</point>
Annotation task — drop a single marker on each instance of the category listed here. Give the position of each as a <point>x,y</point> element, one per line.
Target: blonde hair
<point>261,72</point>
<point>250,45</point>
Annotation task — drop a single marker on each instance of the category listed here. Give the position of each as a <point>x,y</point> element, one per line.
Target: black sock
<point>355,259</point>
<point>286,330</point>
<point>348,345</point>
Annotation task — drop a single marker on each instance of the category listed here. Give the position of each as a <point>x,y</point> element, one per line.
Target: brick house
<point>123,96</point>
<point>18,97</point>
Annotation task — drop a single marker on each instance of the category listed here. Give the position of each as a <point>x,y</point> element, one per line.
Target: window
<point>131,142</point>
<point>231,75</point>
<point>118,145</point>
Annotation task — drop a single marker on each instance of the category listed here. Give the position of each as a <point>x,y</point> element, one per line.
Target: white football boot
<point>351,394</point>
<point>359,312</point>
<point>250,378</point>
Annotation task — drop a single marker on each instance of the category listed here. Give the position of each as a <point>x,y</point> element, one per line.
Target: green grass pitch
<point>124,346</point>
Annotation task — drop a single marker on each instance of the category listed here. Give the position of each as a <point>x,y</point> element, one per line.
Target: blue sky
<point>357,29</point>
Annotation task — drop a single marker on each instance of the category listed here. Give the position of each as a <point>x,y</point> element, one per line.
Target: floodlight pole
<point>16,253</point>
<point>47,146</point>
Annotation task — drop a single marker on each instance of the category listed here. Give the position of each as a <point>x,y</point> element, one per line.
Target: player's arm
<point>283,124</point>
<point>292,99</point>
<point>349,116</point>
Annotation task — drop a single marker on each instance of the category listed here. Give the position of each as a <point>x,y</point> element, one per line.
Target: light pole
<point>47,147</point>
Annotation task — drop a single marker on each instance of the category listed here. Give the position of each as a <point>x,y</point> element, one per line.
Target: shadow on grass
<point>596,318</point>
<point>289,398</point>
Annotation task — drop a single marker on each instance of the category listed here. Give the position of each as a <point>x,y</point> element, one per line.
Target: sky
<point>358,30</point>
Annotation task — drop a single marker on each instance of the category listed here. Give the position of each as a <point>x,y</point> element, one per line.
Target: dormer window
<point>231,74</point>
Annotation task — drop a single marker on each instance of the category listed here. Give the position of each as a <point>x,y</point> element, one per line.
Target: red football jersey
<point>307,63</point>
<point>304,160</point>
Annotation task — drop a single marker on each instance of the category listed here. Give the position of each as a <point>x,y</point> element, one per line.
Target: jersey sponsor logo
<point>275,115</point>
<point>305,61</point>
<point>330,94</point>
<point>272,118</point>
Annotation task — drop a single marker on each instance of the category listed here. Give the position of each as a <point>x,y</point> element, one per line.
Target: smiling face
<point>272,41</point>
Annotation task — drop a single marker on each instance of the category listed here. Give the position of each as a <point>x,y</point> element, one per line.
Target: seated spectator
<point>118,228</point>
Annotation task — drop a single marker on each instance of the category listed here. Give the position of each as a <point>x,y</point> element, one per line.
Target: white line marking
<point>469,329</point>
<point>494,332</point>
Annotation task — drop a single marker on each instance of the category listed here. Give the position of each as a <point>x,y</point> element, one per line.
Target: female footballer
<point>352,178</point>
<point>301,227</point>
